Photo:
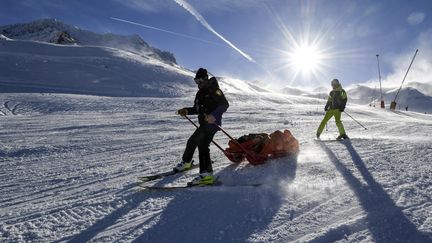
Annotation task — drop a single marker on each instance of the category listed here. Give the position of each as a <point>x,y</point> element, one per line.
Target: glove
<point>210,119</point>
<point>182,112</point>
<point>326,108</point>
<point>342,109</point>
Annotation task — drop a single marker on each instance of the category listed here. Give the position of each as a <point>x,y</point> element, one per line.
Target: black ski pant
<point>201,138</point>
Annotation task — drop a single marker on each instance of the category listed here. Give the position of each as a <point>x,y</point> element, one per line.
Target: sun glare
<point>306,59</point>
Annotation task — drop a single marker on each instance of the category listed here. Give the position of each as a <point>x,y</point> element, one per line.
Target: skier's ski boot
<point>203,179</point>
<point>318,136</point>
<point>182,166</point>
<point>343,136</point>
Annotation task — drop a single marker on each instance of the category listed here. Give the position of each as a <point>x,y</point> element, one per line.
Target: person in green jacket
<point>335,106</point>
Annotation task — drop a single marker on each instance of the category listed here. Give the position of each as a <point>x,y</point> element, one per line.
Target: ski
<point>331,140</point>
<point>218,184</point>
<point>163,174</point>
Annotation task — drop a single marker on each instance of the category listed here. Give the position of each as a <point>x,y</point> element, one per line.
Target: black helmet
<point>201,74</point>
<point>335,82</point>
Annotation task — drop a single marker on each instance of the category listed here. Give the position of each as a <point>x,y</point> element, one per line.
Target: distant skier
<point>210,103</point>
<point>335,106</point>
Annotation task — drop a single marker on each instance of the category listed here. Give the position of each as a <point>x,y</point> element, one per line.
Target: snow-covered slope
<point>409,96</point>
<point>296,91</point>
<point>114,65</point>
<point>29,66</point>
<point>54,31</point>
<point>241,90</point>
<point>69,165</point>
<point>425,88</point>
<point>416,96</point>
<point>2,37</point>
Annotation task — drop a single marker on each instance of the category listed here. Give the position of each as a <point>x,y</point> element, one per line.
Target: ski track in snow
<point>69,165</point>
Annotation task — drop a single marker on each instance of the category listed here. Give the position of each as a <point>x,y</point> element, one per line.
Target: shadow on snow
<point>223,214</point>
<point>384,219</point>
<point>231,214</point>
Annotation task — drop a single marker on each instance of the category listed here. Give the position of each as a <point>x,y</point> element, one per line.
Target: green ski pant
<point>337,114</point>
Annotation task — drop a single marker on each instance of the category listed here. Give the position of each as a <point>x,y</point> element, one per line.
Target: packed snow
<point>69,162</point>
<point>70,165</point>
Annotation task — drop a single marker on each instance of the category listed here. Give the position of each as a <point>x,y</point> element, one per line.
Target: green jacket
<point>337,99</point>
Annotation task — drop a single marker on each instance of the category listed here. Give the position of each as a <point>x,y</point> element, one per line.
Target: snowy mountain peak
<point>425,88</point>
<point>54,31</point>
<point>2,37</point>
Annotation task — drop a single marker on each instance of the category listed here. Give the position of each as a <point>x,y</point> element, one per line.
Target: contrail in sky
<point>166,31</point>
<point>201,19</point>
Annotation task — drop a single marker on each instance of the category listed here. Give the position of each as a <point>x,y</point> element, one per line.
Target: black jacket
<point>337,99</point>
<point>209,100</point>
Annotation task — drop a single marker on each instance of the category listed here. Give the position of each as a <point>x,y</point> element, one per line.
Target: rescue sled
<point>258,148</point>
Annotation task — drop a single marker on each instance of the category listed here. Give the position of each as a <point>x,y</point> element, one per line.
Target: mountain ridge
<point>54,31</point>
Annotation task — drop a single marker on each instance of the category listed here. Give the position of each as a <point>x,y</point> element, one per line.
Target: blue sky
<point>345,35</point>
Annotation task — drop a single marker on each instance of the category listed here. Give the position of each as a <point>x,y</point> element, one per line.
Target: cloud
<point>43,6</point>
<point>147,5</point>
<point>164,30</point>
<point>416,18</point>
<point>370,10</point>
<point>204,6</point>
<point>421,69</point>
<point>224,5</point>
<point>201,19</point>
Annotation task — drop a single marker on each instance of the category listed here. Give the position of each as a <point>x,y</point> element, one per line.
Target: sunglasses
<point>199,80</point>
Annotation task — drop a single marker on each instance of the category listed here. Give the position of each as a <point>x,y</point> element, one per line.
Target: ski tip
<point>145,178</point>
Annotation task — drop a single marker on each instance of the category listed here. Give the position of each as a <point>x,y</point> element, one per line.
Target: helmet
<point>201,74</point>
<point>335,82</point>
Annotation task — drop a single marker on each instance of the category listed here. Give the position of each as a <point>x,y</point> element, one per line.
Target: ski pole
<point>217,145</point>
<point>355,120</point>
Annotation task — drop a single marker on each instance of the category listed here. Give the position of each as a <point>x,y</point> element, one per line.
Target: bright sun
<point>306,59</point>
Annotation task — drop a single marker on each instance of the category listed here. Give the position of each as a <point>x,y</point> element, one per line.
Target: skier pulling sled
<point>258,148</point>
<point>209,104</point>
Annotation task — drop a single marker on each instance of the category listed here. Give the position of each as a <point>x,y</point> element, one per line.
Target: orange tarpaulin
<point>263,146</point>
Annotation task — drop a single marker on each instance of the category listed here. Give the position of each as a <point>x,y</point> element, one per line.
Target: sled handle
<point>217,145</point>
<point>250,155</point>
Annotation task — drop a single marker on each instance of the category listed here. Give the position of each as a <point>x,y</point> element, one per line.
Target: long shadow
<point>133,202</point>
<point>222,214</point>
<point>385,220</point>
